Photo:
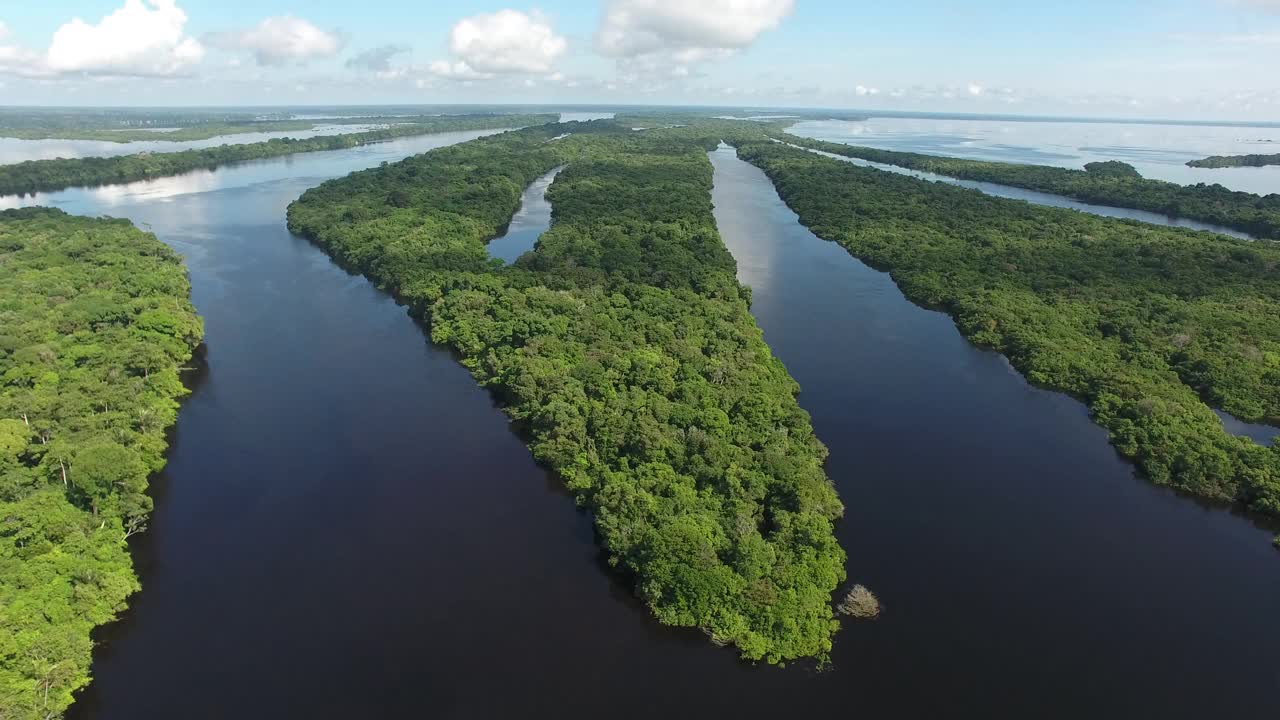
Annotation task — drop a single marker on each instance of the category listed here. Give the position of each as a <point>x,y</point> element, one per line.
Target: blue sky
<point>1148,58</point>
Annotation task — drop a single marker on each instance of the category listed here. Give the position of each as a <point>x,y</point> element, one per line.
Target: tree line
<point>35,176</point>
<point>624,348</point>
<point>95,324</point>
<point>1230,161</point>
<point>125,126</point>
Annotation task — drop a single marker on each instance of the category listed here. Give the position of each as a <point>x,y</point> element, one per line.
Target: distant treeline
<point>201,130</point>
<point>35,176</point>
<point>624,346</point>
<point>1229,161</point>
<point>1112,183</point>
<point>183,134</point>
<point>1145,323</point>
<point>94,326</point>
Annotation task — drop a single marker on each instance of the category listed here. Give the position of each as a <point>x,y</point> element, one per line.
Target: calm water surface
<point>1024,570</point>
<point>530,221</point>
<point>348,528</point>
<point>1157,151</point>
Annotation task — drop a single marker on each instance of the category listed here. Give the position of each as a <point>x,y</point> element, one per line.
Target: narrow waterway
<point>1041,198</point>
<point>348,528</point>
<point>530,221</point>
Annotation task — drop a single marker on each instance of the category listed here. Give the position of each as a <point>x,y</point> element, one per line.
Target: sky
<point>1176,59</point>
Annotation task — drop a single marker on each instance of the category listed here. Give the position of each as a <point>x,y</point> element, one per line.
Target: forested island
<point>1145,323</point>
<point>95,325</point>
<point>623,348</point>
<point>35,176</point>
<point>1230,161</point>
<point>1112,183</point>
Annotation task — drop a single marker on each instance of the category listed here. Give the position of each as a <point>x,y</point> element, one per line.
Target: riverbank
<point>98,324</point>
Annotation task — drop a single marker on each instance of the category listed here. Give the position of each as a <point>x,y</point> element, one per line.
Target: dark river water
<point>348,528</point>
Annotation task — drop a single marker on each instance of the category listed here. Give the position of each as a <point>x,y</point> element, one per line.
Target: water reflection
<point>530,221</point>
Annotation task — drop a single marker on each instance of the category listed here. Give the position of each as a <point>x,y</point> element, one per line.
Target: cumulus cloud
<point>456,71</point>
<point>637,27</point>
<point>282,40</point>
<point>507,41</point>
<point>376,60</point>
<point>141,38</point>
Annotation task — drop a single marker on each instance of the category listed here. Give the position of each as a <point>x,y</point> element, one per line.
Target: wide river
<point>348,528</point>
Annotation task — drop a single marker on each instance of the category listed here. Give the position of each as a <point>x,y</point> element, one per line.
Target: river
<point>348,527</point>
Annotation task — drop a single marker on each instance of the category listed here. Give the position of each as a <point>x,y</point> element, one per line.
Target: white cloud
<point>637,27</point>
<point>862,91</point>
<point>282,40</point>
<point>507,41</point>
<point>975,89</point>
<point>4,30</point>
<point>456,71</point>
<point>141,38</point>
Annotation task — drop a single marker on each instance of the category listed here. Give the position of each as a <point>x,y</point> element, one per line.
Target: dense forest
<point>95,325</point>
<point>208,130</point>
<point>1147,324</point>
<point>51,175</point>
<point>1110,183</point>
<point>624,349</point>
<point>183,134</point>
<point>1230,161</point>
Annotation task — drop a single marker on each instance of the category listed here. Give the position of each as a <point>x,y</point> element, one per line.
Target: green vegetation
<point>184,134</point>
<point>1229,161</point>
<point>94,326</point>
<point>123,125</point>
<point>1142,322</point>
<point>51,175</point>
<point>1111,183</point>
<point>624,349</point>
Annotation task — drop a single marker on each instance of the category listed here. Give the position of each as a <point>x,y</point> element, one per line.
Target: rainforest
<point>623,347</point>
<point>97,327</point>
